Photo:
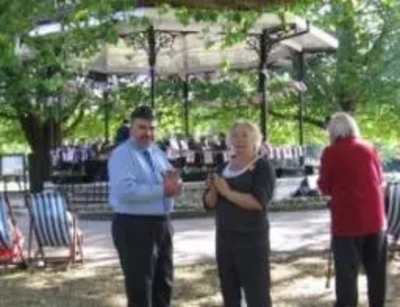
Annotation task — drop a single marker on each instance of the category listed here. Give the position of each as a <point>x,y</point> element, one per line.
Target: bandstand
<point>157,45</point>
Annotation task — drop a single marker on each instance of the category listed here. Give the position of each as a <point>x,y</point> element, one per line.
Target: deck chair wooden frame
<point>7,240</point>
<point>53,226</point>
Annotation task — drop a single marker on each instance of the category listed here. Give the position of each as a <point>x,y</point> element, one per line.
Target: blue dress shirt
<point>136,180</point>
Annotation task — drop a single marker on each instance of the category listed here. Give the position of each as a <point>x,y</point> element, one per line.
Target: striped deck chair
<point>53,226</point>
<point>11,251</point>
<point>393,216</point>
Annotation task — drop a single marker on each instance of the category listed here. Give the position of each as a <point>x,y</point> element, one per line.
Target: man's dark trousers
<point>370,251</point>
<point>144,245</point>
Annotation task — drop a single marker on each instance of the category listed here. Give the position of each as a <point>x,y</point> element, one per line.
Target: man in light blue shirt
<point>142,187</point>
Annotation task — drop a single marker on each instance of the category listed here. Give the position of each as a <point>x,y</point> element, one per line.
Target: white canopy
<point>181,59</point>
<point>196,47</point>
<point>191,53</point>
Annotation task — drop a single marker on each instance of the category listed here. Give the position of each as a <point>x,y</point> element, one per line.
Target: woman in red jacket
<point>351,175</point>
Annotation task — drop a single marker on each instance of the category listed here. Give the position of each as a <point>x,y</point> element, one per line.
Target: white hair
<point>255,132</point>
<point>342,125</point>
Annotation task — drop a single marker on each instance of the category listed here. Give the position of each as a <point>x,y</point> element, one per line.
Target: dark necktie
<point>149,160</point>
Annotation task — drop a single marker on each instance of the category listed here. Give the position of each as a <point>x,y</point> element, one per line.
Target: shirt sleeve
<point>324,182</point>
<point>125,184</point>
<point>263,182</point>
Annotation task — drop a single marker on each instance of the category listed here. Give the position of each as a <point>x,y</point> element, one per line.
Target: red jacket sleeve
<point>378,165</point>
<point>324,180</point>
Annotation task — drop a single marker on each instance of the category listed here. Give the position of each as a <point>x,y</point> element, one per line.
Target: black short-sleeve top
<point>258,180</point>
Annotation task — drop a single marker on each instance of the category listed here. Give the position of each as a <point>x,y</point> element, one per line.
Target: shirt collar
<point>134,143</point>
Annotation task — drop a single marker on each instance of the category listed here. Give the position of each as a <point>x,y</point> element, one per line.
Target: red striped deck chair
<point>11,238</point>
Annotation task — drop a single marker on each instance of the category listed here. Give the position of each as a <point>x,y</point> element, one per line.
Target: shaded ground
<point>296,282</point>
<point>194,239</point>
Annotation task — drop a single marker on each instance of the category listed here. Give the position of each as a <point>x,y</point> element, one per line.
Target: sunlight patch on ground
<point>298,282</point>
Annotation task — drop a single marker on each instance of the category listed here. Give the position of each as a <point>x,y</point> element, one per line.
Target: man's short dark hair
<point>143,112</point>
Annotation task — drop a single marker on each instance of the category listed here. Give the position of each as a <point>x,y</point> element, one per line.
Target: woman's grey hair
<point>342,125</point>
<point>254,130</point>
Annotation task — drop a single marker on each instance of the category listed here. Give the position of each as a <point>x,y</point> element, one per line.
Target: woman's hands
<point>243,200</point>
<point>211,194</point>
<point>221,185</point>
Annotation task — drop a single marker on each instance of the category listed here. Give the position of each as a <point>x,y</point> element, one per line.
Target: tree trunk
<point>39,169</point>
<point>41,136</point>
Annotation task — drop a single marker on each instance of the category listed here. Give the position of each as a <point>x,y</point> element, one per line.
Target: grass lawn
<point>296,282</point>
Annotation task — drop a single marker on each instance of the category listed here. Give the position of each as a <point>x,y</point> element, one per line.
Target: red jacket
<point>351,174</point>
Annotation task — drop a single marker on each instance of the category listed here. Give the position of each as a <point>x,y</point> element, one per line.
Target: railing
<point>194,164</point>
<point>92,198</point>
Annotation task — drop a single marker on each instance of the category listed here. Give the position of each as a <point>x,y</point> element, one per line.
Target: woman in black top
<point>240,191</point>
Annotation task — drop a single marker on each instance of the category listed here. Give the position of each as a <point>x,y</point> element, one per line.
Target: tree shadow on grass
<point>196,283</point>
<point>296,282</point>
<point>304,285</point>
<point>55,288</point>
<point>97,287</point>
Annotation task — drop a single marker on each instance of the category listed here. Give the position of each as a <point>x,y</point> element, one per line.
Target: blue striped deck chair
<point>11,250</point>
<point>393,214</point>
<point>53,226</point>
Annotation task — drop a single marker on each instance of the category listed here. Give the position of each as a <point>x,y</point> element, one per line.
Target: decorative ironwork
<point>274,36</point>
<point>165,40</point>
<point>218,4</point>
<point>253,43</point>
<point>140,40</point>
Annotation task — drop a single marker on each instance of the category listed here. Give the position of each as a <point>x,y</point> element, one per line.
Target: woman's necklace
<point>234,165</point>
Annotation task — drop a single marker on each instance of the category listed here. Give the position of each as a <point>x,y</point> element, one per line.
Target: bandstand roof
<point>197,47</point>
<point>219,4</point>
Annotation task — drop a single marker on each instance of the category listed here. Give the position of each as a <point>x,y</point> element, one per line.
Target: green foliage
<point>362,77</point>
<point>11,138</point>
<point>44,65</point>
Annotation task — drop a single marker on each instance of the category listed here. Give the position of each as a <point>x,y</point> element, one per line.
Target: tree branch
<point>378,44</point>
<point>76,121</point>
<point>291,117</point>
<point>8,116</point>
<point>76,100</point>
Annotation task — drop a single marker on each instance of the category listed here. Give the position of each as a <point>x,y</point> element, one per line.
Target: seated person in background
<point>195,145</point>
<point>218,142</point>
<point>213,142</point>
<point>122,133</point>
<point>205,143</point>
<point>222,141</point>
